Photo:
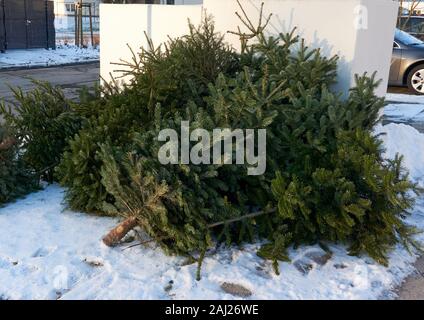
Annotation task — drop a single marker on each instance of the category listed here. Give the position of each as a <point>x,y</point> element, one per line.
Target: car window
<point>406,38</point>
<point>412,24</point>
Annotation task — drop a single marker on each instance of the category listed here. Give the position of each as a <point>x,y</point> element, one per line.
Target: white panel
<point>325,24</point>
<point>124,25</point>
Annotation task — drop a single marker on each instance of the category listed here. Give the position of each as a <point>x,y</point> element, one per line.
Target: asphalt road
<point>402,90</point>
<point>70,78</point>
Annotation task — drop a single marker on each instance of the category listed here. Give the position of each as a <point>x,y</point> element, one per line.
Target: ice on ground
<point>44,57</point>
<point>405,112</point>
<point>404,98</point>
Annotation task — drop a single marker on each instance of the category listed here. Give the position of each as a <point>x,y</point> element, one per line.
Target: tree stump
<point>117,233</point>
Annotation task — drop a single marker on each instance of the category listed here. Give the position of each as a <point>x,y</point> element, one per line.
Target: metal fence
<point>66,21</point>
<point>26,24</point>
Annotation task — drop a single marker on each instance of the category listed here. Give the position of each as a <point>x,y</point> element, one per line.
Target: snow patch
<point>404,112</point>
<point>407,141</point>
<point>43,57</point>
<point>49,252</point>
<point>404,98</point>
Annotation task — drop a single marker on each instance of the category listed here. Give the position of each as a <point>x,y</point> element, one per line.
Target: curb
<point>6,69</point>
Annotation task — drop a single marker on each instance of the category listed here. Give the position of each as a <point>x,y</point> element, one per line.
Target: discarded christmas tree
<point>42,120</point>
<point>15,179</point>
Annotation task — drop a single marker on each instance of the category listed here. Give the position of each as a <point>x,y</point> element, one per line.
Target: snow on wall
<point>359,31</point>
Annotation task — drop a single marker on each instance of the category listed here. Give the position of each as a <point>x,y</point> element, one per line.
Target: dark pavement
<point>70,78</point>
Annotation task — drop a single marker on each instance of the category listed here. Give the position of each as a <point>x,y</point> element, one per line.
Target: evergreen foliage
<point>326,176</point>
<point>80,166</point>
<point>15,180</point>
<point>173,75</point>
<point>42,120</point>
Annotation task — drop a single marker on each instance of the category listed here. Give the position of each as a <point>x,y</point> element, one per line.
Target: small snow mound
<point>407,141</point>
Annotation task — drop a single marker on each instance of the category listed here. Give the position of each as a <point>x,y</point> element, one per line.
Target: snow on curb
<point>404,98</point>
<point>404,112</point>
<point>42,57</point>
<point>48,252</point>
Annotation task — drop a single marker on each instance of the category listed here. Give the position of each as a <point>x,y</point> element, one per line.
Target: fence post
<point>3,46</point>
<point>91,25</point>
<point>76,24</point>
<point>81,25</point>
<point>46,8</point>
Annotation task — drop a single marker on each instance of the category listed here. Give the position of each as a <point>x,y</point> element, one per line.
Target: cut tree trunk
<point>117,233</point>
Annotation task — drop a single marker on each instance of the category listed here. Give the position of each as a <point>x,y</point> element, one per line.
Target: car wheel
<point>416,80</point>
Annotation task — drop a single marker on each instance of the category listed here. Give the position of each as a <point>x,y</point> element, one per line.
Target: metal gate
<point>26,24</point>
<point>2,27</point>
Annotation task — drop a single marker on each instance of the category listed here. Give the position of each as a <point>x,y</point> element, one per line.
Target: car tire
<point>416,80</point>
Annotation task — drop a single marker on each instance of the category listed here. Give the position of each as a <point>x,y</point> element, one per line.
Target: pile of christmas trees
<point>326,179</point>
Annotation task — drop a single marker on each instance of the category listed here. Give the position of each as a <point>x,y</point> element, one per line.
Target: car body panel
<point>405,57</point>
<point>394,77</point>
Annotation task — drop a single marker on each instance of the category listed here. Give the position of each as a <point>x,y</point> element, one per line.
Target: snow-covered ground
<point>407,141</point>
<point>42,57</point>
<point>405,108</point>
<point>48,252</point>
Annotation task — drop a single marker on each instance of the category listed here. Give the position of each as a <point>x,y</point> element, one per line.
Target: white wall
<point>180,2</point>
<point>373,48</point>
<point>325,24</point>
<point>124,25</point>
<point>328,25</point>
